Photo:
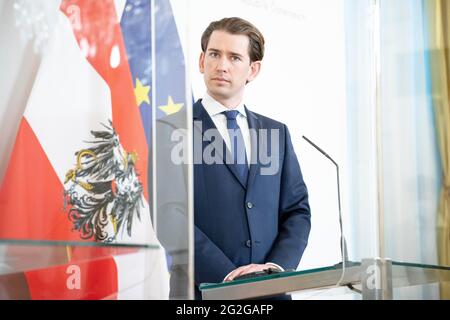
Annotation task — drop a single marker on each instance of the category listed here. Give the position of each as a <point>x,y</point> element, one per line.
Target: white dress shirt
<point>215,109</point>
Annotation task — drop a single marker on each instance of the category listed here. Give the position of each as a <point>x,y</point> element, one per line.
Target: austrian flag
<point>78,169</point>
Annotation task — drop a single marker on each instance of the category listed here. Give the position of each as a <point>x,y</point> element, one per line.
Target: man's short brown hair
<point>238,26</point>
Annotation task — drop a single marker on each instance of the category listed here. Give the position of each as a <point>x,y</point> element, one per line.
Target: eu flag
<point>165,84</point>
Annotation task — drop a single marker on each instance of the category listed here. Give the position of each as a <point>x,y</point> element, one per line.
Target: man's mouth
<point>220,79</point>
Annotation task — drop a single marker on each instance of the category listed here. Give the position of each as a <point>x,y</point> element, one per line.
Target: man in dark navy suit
<point>251,209</point>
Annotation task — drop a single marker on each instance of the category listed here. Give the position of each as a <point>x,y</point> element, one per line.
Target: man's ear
<point>201,62</point>
<point>255,67</point>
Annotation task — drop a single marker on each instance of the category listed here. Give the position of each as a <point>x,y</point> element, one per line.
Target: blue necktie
<point>237,146</point>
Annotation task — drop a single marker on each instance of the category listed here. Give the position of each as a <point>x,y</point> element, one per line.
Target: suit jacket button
<point>249,205</point>
<point>248,243</point>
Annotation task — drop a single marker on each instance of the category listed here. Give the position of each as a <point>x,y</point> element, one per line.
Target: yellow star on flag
<point>141,93</point>
<point>171,107</point>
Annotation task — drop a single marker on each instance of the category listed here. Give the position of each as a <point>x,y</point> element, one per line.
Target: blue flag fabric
<point>169,74</point>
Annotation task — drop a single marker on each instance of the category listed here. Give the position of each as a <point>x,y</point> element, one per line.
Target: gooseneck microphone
<point>344,254</point>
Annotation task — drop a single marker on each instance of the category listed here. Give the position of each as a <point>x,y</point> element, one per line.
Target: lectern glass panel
<point>371,279</point>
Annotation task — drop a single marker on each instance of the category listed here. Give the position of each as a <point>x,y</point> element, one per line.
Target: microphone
<point>344,253</point>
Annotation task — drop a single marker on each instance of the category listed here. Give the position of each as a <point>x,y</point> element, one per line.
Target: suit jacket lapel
<point>254,126</point>
<point>200,114</point>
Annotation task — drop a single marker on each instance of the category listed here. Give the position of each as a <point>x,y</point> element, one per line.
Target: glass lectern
<point>373,279</point>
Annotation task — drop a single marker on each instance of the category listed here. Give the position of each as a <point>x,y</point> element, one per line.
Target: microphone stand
<point>344,254</point>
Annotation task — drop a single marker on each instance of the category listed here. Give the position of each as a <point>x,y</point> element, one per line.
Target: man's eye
<point>214,54</point>
<point>235,58</point>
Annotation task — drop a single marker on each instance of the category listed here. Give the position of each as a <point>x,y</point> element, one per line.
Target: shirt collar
<point>213,107</point>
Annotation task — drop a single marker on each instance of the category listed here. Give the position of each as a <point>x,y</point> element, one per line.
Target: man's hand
<point>247,269</point>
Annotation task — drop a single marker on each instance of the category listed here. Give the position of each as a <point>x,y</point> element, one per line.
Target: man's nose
<point>223,64</point>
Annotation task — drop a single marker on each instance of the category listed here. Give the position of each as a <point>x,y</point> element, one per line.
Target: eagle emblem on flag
<point>103,189</point>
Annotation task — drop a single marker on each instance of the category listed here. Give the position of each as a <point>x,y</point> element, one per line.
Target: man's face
<point>226,65</point>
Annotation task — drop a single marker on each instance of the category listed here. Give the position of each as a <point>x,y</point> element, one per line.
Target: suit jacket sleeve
<point>211,264</point>
<point>294,212</point>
